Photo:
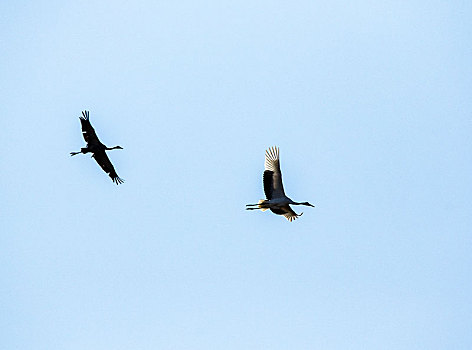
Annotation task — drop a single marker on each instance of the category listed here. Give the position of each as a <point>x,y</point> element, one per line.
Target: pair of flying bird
<point>276,200</point>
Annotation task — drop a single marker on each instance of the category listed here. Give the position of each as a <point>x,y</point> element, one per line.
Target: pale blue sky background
<point>370,104</point>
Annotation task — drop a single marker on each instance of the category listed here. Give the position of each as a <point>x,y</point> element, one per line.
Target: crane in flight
<point>97,148</point>
<point>276,201</point>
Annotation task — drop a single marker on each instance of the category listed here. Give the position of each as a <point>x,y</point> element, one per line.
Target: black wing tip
<point>85,115</point>
<point>117,180</point>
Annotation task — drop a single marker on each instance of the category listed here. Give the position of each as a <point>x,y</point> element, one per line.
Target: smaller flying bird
<point>276,201</point>
<point>97,148</point>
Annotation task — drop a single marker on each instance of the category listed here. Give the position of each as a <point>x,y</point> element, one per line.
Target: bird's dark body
<point>93,149</point>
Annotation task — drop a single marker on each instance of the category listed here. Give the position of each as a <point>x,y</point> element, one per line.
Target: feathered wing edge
<point>117,180</point>
<point>272,159</point>
<point>290,217</point>
<point>85,115</point>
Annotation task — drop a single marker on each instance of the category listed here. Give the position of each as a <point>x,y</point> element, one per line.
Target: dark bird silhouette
<point>276,201</point>
<point>97,148</point>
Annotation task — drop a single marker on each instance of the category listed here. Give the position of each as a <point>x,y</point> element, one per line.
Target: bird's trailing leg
<point>255,208</point>
<point>261,205</point>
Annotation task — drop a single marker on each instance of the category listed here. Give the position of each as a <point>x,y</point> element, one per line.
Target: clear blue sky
<point>370,104</point>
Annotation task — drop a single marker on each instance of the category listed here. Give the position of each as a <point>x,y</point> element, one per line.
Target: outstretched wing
<point>87,130</point>
<point>273,187</point>
<point>102,160</point>
<point>287,212</point>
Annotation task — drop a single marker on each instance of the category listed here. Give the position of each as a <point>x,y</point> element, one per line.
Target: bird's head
<point>308,204</point>
<point>118,147</point>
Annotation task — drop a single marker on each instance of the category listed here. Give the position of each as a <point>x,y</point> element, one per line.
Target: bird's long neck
<point>110,148</point>
<point>300,203</point>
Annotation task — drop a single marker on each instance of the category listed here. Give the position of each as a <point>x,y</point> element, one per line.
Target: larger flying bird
<point>97,148</point>
<point>276,201</point>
